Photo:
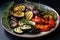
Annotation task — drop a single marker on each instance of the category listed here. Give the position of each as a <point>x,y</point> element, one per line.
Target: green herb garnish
<point>5,19</point>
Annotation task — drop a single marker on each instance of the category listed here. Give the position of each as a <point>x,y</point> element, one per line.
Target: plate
<point>37,35</point>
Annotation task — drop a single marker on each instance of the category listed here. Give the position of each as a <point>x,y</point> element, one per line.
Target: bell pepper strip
<point>52,23</point>
<point>37,19</point>
<point>37,26</point>
<point>42,28</point>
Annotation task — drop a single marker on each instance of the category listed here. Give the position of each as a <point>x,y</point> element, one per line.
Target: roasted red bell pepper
<point>52,23</point>
<point>37,19</point>
<point>43,28</point>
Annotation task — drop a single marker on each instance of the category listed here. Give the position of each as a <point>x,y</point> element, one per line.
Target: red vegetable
<point>46,22</point>
<point>43,28</point>
<point>52,23</point>
<point>37,19</point>
<point>37,26</point>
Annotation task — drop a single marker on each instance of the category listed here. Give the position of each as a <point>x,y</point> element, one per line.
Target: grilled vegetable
<point>19,8</point>
<point>51,17</point>
<point>44,28</point>
<point>31,23</point>
<point>26,27</point>
<point>29,18</point>
<point>14,19</point>
<point>29,15</point>
<point>48,17</point>
<point>36,12</point>
<point>28,22</point>
<point>30,7</point>
<point>51,14</point>
<point>18,30</point>
<point>37,19</point>
<point>37,26</point>
<point>20,23</point>
<point>52,23</point>
<point>18,14</point>
<point>13,24</point>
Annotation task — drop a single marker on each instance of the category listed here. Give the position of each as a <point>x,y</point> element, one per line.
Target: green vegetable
<point>40,7</point>
<point>28,22</point>
<point>5,19</point>
<point>18,30</point>
<point>24,27</point>
<point>31,23</point>
<point>27,2</point>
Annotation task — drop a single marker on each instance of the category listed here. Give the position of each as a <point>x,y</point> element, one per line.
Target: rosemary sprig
<point>27,2</point>
<point>5,19</point>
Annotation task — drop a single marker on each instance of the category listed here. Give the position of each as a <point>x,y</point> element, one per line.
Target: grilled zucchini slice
<point>18,30</point>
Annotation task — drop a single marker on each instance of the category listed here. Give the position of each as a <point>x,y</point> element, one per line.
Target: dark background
<point>52,36</point>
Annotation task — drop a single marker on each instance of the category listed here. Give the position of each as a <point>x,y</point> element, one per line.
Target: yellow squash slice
<point>19,8</point>
<point>18,14</point>
<point>29,15</point>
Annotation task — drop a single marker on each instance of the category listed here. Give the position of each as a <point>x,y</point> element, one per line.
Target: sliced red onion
<point>36,12</point>
<point>31,7</point>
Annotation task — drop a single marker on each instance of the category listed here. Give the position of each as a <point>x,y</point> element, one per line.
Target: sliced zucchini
<point>31,23</point>
<point>18,30</point>
<point>24,27</point>
<point>20,23</point>
<point>28,22</point>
